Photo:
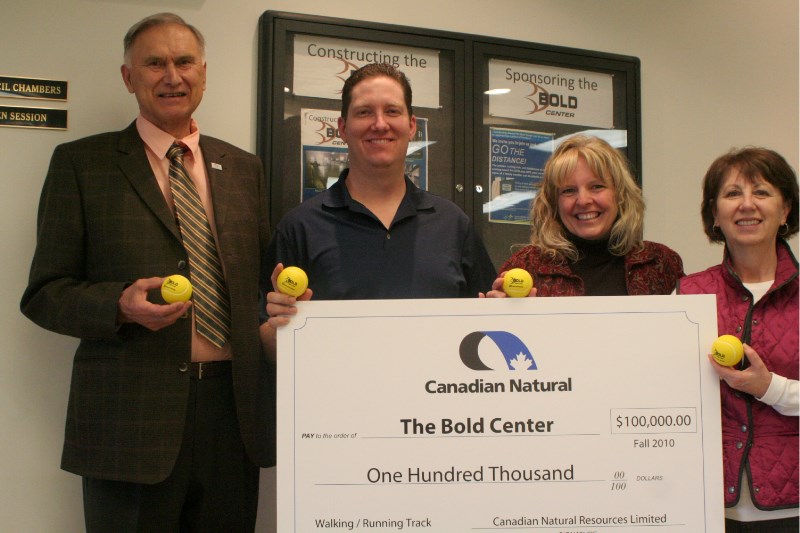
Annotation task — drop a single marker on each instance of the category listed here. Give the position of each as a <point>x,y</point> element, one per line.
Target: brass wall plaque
<point>15,87</point>
<point>33,117</point>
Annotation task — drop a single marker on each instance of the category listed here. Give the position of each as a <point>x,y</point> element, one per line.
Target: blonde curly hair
<point>547,230</point>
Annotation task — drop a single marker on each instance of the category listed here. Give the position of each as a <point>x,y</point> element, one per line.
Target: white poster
<point>550,94</point>
<point>322,64</point>
<point>534,414</point>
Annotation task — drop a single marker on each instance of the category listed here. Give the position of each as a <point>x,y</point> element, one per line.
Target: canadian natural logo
<point>517,356</point>
<point>476,351</point>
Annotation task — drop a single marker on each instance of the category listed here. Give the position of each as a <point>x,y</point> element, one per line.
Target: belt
<point>209,369</point>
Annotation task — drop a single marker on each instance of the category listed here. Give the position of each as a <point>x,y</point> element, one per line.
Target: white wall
<point>716,74</point>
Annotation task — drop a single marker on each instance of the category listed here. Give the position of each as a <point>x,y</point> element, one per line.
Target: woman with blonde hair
<point>587,229</point>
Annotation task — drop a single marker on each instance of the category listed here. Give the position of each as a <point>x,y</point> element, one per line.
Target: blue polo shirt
<point>431,249</point>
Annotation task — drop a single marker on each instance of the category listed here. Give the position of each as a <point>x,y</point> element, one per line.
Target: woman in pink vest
<point>750,203</point>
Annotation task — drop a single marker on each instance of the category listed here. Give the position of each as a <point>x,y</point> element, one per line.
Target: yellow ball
<point>517,283</point>
<point>176,288</point>
<point>727,350</point>
<point>292,281</point>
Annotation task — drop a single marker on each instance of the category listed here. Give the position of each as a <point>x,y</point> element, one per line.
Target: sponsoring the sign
<point>551,94</point>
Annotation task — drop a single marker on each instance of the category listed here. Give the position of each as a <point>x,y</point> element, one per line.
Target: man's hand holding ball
<point>290,285</point>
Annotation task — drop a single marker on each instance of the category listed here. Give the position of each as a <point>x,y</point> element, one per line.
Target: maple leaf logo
<point>521,362</point>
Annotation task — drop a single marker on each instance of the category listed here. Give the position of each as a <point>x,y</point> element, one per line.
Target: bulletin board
<point>489,111</point>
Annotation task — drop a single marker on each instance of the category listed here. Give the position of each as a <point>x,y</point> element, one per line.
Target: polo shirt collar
<point>414,200</point>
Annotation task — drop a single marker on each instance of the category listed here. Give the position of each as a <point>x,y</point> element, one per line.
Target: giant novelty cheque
<point>531,414</point>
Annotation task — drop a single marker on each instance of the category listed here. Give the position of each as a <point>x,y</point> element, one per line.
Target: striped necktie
<point>212,313</point>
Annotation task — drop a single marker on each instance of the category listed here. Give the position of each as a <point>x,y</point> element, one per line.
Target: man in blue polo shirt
<point>374,234</point>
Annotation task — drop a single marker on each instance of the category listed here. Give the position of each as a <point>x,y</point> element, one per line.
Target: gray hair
<point>157,20</point>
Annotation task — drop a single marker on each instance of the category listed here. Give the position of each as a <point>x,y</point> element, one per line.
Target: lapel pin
<point>216,166</point>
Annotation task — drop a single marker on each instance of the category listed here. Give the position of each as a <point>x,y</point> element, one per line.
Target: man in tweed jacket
<point>167,429</point>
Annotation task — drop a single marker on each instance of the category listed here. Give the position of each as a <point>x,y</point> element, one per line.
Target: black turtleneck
<point>603,273</point>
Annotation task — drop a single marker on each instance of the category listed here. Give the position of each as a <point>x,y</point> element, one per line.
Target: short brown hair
<point>375,70</point>
<point>752,163</point>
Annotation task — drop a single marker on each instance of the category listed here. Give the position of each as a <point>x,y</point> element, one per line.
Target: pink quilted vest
<point>754,435</point>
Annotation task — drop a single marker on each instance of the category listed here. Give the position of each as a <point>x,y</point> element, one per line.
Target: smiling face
<point>749,212</point>
<point>165,69</point>
<point>378,126</point>
<point>587,206</point>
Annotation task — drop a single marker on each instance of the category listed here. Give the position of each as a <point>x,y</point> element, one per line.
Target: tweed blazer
<point>104,223</point>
